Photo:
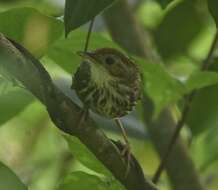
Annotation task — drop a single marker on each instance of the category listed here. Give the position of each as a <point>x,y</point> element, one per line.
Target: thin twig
<point>186,109</point>
<point>85,110</point>
<point>89,34</point>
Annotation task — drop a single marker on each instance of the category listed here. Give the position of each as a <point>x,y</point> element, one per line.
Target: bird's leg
<point>83,116</point>
<point>126,152</point>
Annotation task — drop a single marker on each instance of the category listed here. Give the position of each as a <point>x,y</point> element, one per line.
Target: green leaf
<point>63,52</point>
<point>32,29</point>
<point>87,158</point>
<point>13,102</point>
<point>180,26</point>
<point>212,5</point>
<point>83,181</point>
<point>8,180</point>
<point>209,146</point>
<point>162,88</point>
<point>201,79</point>
<point>204,110</point>
<point>78,12</point>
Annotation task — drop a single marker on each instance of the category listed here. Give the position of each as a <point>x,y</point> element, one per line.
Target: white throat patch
<point>100,75</point>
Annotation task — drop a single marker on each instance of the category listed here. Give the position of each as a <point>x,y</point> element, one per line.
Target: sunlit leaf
<point>30,28</point>
<point>8,180</point>
<point>201,79</point>
<point>45,6</point>
<point>78,12</point>
<point>159,85</point>
<point>162,88</point>
<point>83,181</point>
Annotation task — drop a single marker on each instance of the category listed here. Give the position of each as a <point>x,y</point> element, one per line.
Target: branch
<point>185,112</point>
<point>125,30</point>
<point>65,113</point>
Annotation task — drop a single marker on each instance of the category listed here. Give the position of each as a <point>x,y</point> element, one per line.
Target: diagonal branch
<point>65,113</point>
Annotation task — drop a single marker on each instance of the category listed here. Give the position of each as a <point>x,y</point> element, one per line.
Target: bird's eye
<point>109,60</point>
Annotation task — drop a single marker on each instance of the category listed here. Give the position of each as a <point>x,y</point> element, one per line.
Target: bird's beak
<point>90,56</point>
<point>85,55</point>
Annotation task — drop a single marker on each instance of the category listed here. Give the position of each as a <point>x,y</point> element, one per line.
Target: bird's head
<point>109,62</point>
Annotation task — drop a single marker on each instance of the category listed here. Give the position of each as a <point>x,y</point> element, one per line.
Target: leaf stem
<point>85,110</point>
<point>186,109</point>
<point>89,34</point>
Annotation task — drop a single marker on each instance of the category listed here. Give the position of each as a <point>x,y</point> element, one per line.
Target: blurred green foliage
<point>12,102</point>
<point>182,31</point>
<point>32,29</point>
<point>85,156</point>
<point>8,180</point>
<point>181,23</point>
<point>76,181</point>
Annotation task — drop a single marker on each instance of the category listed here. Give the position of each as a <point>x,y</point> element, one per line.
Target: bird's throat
<point>100,76</point>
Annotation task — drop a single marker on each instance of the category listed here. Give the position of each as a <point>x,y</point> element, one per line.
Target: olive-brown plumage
<point>107,82</point>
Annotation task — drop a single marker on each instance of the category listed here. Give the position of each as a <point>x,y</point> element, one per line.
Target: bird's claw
<point>83,117</point>
<point>126,154</point>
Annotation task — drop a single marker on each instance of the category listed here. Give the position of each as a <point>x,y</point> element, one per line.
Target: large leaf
<point>200,80</point>
<point>12,100</point>
<point>87,158</point>
<point>178,29</point>
<point>83,181</point>
<point>162,88</point>
<point>212,5</point>
<point>204,110</point>
<point>63,52</point>
<point>78,12</point>
<point>8,180</point>
<point>32,29</point>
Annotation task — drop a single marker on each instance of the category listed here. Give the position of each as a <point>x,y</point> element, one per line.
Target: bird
<point>108,83</point>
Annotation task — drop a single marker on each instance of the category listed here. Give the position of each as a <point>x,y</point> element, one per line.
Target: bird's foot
<point>83,116</point>
<point>126,154</point>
